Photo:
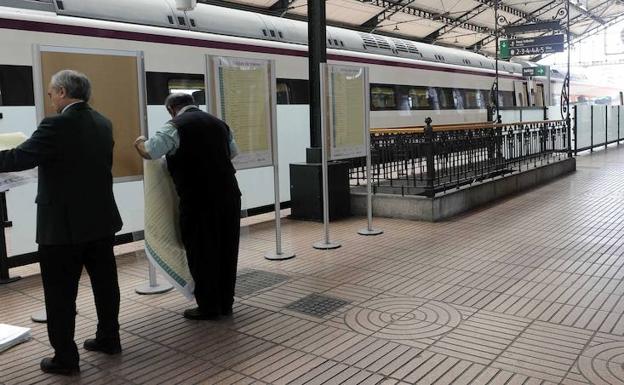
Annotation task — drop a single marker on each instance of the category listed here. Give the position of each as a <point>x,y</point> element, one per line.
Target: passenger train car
<point>409,81</point>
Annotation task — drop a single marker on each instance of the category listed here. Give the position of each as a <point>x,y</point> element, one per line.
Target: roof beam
<point>421,13</point>
<point>511,10</point>
<point>386,13</point>
<point>476,11</point>
<point>589,32</point>
<point>533,16</point>
<point>588,13</point>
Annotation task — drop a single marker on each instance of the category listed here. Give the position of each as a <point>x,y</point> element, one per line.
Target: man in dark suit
<point>77,216</point>
<point>199,147</point>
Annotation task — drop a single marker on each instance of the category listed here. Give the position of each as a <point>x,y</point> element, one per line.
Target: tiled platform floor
<point>525,291</point>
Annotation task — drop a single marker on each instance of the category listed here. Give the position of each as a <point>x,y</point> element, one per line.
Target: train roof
<point>232,22</point>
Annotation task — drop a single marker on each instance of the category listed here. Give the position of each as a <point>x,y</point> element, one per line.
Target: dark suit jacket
<point>74,152</point>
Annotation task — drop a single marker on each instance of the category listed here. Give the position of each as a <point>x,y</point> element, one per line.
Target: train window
<point>264,32</point>
<point>458,99</point>
<point>283,93</point>
<point>445,98</point>
<point>181,20</point>
<point>192,22</point>
<point>506,98</point>
<point>473,99</point>
<point>292,91</point>
<point>161,84</point>
<point>272,33</point>
<point>170,18</point>
<point>335,42</point>
<point>420,99</point>
<point>341,43</point>
<point>60,5</point>
<point>383,98</point>
<point>329,41</point>
<point>16,86</point>
<point>185,85</point>
<point>280,34</point>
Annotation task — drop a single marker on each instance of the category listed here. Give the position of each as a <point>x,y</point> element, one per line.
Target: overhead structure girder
<point>533,16</point>
<point>393,7</point>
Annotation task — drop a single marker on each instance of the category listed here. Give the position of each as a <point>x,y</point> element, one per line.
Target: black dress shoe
<point>197,314</point>
<point>49,365</point>
<point>93,345</point>
<point>226,312</point>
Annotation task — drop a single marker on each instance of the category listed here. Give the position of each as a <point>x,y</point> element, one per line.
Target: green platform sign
<point>534,71</point>
<point>503,51</point>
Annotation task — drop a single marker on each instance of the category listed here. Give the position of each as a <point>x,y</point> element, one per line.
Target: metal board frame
<point>355,151</point>
<point>213,105</point>
<point>141,83</point>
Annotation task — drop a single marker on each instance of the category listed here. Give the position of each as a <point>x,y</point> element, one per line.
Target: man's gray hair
<point>76,84</point>
<point>178,100</point>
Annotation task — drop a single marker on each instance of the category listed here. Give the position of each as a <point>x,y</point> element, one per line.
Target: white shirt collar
<point>185,108</point>
<point>69,105</point>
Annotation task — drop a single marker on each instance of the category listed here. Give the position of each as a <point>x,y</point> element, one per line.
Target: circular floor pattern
<point>603,364</point>
<point>403,318</point>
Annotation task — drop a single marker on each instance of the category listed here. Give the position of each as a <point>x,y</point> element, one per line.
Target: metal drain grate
<point>317,305</point>
<point>249,281</point>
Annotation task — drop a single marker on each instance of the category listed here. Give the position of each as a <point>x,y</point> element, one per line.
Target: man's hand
<point>139,144</point>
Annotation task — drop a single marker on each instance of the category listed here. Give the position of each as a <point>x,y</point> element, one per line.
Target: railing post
<point>575,134</point>
<point>591,130</point>
<point>606,127</point>
<point>430,157</point>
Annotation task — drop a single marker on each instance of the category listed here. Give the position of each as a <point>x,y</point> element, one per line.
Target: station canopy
<point>465,24</point>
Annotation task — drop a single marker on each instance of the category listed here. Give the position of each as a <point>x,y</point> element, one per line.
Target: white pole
<point>369,230</point>
<point>325,244</point>
<point>153,287</point>
<point>279,254</point>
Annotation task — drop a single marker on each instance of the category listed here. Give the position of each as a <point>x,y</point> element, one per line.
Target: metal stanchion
<point>325,244</point>
<point>369,230</point>
<point>153,287</point>
<point>40,316</point>
<point>279,254</point>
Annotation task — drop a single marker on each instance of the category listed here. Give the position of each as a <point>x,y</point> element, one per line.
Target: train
<point>409,81</point>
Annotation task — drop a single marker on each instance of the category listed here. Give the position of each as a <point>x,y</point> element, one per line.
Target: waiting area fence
<point>431,159</point>
<point>597,126</point>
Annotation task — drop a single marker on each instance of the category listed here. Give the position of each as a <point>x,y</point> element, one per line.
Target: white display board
<point>347,98</point>
<point>241,93</point>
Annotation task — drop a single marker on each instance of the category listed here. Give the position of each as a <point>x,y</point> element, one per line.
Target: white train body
<point>172,45</point>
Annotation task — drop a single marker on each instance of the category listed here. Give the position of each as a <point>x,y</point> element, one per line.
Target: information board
<point>347,111</point>
<point>534,71</point>
<point>117,92</point>
<point>241,94</point>
<point>531,46</point>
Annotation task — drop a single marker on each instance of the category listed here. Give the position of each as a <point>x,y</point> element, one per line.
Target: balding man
<point>199,147</point>
<point>77,216</point>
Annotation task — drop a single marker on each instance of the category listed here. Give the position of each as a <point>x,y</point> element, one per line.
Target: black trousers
<point>61,267</point>
<point>210,233</point>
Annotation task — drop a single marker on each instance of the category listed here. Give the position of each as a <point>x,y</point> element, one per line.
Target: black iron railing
<point>430,159</point>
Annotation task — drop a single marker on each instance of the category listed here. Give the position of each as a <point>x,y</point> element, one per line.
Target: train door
<point>539,95</point>
<point>520,91</point>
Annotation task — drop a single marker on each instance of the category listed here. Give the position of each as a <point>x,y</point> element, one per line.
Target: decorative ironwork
<point>430,160</point>
<point>502,20</point>
<point>561,14</point>
<point>565,97</point>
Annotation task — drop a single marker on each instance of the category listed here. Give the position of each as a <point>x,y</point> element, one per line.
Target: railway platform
<point>527,290</point>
